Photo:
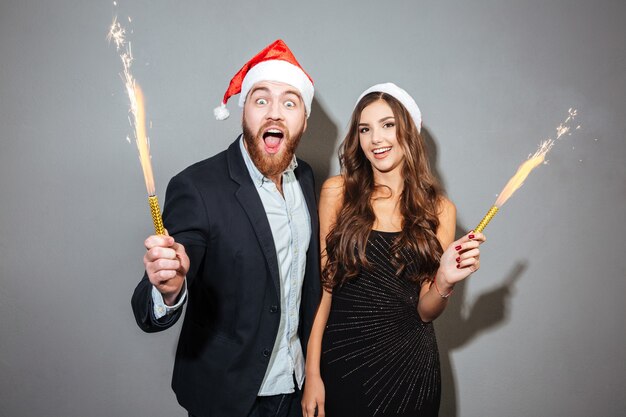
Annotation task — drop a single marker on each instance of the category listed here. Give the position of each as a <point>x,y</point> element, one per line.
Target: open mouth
<point>273,137</point>
<point>381,152</point>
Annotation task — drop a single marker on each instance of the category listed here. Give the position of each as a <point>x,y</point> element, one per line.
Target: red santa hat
<point>274,63</point>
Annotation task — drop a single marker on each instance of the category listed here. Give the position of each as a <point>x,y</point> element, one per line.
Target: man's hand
<point>167,264</point>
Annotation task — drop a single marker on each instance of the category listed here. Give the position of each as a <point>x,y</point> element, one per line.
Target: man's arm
<point>172,262</point>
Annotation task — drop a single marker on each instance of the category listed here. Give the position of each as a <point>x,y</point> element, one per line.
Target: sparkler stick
<point>143,146</point>
<point>525,169</point>
<point>137,119</point>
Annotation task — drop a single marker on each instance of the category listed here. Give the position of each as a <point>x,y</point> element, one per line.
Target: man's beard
<point>271,165</point>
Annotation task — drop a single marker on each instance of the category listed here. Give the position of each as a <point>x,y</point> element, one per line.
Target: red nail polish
<point>458,248</point>
<point>471,236</point>
<point>458,266</point>
<point>458,259</point>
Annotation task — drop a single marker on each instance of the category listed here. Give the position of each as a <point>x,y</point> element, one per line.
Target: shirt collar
<point>257,177</point>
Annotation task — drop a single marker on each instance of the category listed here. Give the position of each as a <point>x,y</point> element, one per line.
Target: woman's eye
<point>290,104</point>
<point>389,124</point>
<point>261,101</point>
<point>364,130</point>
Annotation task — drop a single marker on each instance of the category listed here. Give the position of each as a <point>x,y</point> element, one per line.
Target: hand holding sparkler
<point>460,259</point>
<point>166,264</point>
<point>166,261</point>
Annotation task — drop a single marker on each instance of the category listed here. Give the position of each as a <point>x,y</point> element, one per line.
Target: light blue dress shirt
<point>290,223</point>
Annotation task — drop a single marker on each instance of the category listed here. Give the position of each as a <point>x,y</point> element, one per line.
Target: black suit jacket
<point>233,305</point>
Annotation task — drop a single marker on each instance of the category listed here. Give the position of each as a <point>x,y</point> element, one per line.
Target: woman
<point>383,224</point>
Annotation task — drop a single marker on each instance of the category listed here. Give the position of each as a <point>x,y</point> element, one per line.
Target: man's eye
<point>290,104</point>
<point>261,101</point>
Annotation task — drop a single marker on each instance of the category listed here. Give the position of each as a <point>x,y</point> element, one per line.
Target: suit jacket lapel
<point>308,189</point>
<point>311,276</point>
<point>251,203</point>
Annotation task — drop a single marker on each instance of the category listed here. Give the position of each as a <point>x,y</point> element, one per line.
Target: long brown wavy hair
<point>419,202</point>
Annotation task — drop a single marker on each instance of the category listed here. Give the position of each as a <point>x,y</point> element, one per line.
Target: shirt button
<point>266,353</point>
<point>273,309</point>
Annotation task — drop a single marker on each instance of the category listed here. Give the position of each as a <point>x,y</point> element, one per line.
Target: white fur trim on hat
<point>402,96</point>
<point>221,112</point>
<point>280,71</point>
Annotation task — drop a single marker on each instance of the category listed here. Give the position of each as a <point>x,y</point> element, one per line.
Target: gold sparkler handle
<point>485,221</point>
<point>155,210</point>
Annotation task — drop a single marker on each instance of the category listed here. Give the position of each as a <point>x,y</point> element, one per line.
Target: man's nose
<point>274,111</point>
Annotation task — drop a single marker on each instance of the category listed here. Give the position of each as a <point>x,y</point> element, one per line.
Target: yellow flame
<point>137,114</point>
<point>522,173</point>
<point>142,139</point>
<point>535,160</point>
<point>526,168</point>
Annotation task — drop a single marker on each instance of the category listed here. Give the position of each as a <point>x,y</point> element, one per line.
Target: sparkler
<point>137,118</point>
<point>526,168</point>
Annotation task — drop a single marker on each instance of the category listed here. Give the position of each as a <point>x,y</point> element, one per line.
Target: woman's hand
<point>313,397</point>
<point>460,260</point>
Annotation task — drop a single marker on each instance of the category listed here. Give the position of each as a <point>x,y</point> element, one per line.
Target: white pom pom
<point>221,112</point>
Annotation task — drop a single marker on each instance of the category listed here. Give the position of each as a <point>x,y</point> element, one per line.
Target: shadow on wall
<point>318,144</point>
<point>459,323</point>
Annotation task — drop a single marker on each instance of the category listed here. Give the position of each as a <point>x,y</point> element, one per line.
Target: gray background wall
<point>539,331</point>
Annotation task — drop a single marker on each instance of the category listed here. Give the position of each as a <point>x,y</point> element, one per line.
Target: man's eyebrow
<point>284,93</point>
<point>294,92</point>
<point>255,89</point>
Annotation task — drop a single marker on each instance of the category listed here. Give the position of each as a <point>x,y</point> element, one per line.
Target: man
<point>243,254</point>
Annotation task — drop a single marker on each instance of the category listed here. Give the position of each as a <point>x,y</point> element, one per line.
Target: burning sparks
<point>117,35</point>
<point>523,171</point>
<point>533,161</point>
<point>143,146</point>
<point>137,117</point>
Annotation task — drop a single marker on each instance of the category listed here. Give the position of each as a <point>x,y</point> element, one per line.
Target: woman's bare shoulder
<point>445,207</point>
<point>331,195</point>
<point>333,183</point>
<point>446,212</point>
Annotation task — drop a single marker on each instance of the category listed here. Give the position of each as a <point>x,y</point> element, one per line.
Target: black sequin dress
<point>378,357</point>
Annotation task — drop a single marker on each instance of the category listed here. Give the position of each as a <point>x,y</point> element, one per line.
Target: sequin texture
<point>378,357</point>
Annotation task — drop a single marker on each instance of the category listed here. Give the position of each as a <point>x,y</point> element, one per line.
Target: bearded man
<point>242,253</point>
